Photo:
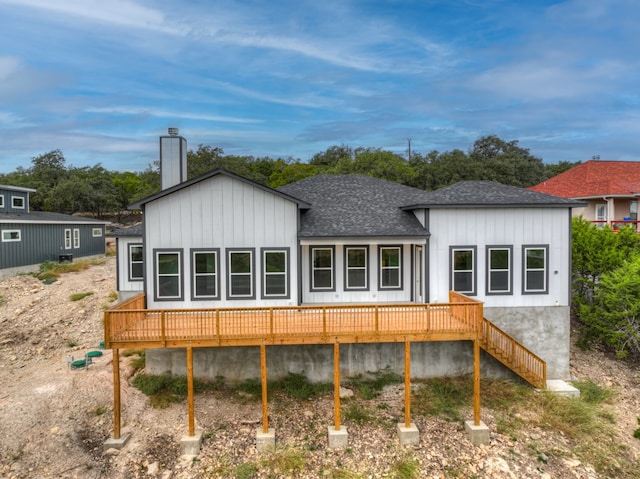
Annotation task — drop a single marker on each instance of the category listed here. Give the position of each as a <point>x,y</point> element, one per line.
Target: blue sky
<point>101,80</point>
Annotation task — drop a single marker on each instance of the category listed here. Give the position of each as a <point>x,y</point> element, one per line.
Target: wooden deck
<point>130,325</point>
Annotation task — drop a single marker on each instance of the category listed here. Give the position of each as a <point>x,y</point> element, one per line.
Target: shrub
<point>79,296</point>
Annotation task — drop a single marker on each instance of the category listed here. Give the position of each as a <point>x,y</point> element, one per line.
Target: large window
<point>499,270</point>
<point>322,272</point>
<point>356,272</point>
<point>96,232</point>
<point>136,263</point>
<point>168,272</point>
<point>76,238</point>
<point>275,269</point>
<point>535,269</point>
<point>205,280</point>
<point>17,202</point>
<point>463,269</point>
<point>240,274</point>
<point>390,267</point>
<point>11,236</point>
<point>67,239</point>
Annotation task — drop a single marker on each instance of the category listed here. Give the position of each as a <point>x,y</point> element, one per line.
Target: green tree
<point>332,156</point>
<point>614,316</point>
<point>46,172</point>
<point>291,173</point>
<point>551,170</point>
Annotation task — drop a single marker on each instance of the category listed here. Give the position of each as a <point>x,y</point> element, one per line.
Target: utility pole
<point>409,141</point>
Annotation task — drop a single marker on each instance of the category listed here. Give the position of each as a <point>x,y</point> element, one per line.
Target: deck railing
<point>129,323</point>
<point>513,354</point>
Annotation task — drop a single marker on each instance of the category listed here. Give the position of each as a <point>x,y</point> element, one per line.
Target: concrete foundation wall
<point>543,330</point>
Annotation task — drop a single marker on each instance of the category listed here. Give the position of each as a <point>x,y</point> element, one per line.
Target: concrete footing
<point>265,441</point>
<point>562,388</point>
<point>478,434</point>
<point>190,445</point>
<point>118,444</point>
<point>409,436</point>
<point>338,439</point>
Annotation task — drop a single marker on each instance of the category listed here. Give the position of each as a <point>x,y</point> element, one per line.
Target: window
<point>275,267</point>
<point>76,238</point>
<point>96,232</point>
<point>535,271</point>
<point>463,269</point>
<point>11,235</point>
<point>168,272</point>
<point>601,212</point>
<point>17,202</point>
<point>240,270</point>
<point>1,201</point>
<point>136,263</point>
<point>322,272</point>
<point>67,239</point>
<point>499,277</point>
<point>390,267</point>
<point>633,210</point>
<point>205,269</point>
<point>355,275</point>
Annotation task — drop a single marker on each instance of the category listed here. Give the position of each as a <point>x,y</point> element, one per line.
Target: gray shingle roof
<point>356,206</point>
<point>45,217</point>
<point>132,231</point>
<point>480,194</point>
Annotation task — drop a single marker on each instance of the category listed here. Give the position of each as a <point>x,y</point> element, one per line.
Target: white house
<point>221,240</point>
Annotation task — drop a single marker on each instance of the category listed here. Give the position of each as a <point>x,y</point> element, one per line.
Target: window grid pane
<point>463,274</point>
<point>205,274</point>
<point>136,263</point>
<point>499,270</point>
<point>535,277</point>
<point>168,268</point>
<point>356,268</point>
<point>322,267</point>
<point>390,267</point>
<point>275,273</point>
<point>240,274</point>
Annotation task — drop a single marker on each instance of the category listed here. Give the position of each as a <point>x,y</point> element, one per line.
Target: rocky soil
<point>54,420</point>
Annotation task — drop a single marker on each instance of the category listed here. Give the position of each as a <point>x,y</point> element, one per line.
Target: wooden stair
<point>513,355</point>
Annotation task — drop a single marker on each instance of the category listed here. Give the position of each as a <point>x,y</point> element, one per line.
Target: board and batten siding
<point>126,287</point>
<point>482,227</point>
<point>220,212</point>
<point>373,294</point>
<point>41,242</point>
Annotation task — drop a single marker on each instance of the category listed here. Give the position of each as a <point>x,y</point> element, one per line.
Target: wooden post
<point>336,385</point>
<point>407,383</point>
<point>263,375</point>
<point>192,430</point>
<point>116,393</point>
<point>476,382</point>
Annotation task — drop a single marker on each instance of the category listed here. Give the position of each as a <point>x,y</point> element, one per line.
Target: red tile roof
<point>595,178</point>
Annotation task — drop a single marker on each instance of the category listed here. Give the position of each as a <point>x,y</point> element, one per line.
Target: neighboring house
<point>223,241</point>
<point>609,189</point>
<point>29,238</point>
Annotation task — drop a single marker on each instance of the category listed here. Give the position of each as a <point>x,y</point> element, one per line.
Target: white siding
<point>124,285</point>
<point>514,226</point>
<point>221,212</point>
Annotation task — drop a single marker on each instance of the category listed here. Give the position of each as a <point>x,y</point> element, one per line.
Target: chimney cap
<point>173,131</point>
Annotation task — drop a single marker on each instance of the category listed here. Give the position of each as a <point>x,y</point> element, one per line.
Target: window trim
<point>96,232</point>
<point>194,274</point>
<point>13,202</point>
<point>1,201</point>
<point>490,248</point>
<point>180,275</point>
<point>252,274</point>
<point>67,238</point>
<point>130,262</point>
<point>525,248</point>
<point>312,286</point>
<point>474,271</point>
<point>11,240</point>
<point>400,268</point>
<point>76,238</point>
<point>347,268</point>
<point>287,276</point>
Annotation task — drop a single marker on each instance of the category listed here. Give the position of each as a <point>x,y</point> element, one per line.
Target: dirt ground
<point>54,420</point>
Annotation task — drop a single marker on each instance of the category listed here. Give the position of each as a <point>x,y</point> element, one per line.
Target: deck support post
<point>190,444</point>
<point>477,430</point>
<point>338,438</point>
<point>116,393</point>
<point>116,442</point>
<point>192,428</point>
<point>265,436</point>
<point>408,432</point>
<point>476,382</point>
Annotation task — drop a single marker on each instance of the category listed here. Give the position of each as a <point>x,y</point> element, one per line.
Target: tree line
<point>96,190</point>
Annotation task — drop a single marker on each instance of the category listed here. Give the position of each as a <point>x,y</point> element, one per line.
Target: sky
<point>102,80</point>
